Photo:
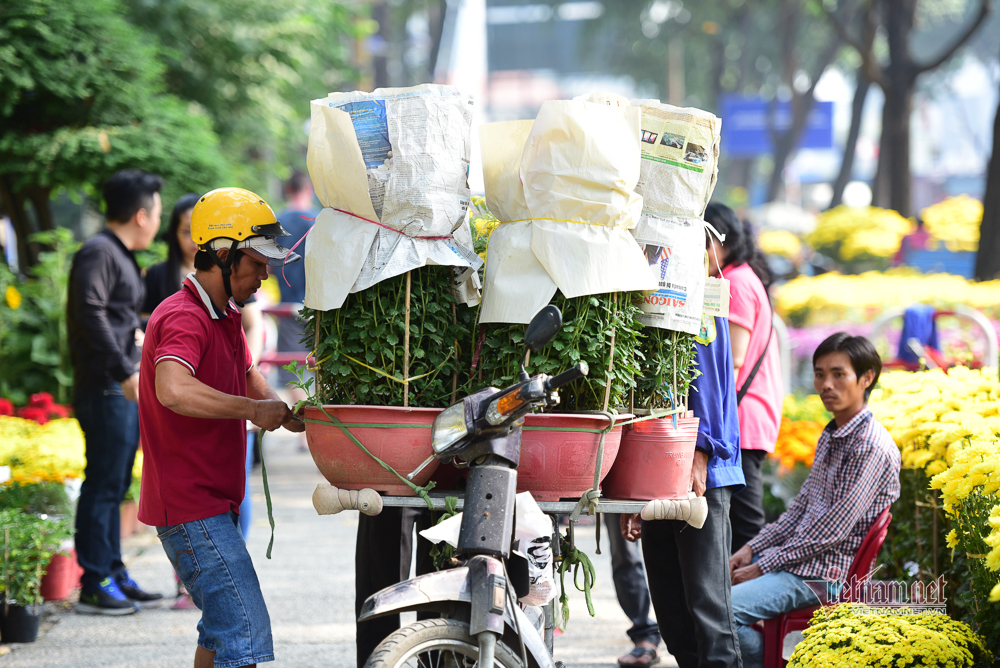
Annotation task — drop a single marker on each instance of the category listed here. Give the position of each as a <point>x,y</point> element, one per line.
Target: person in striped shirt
<point>855,476</point>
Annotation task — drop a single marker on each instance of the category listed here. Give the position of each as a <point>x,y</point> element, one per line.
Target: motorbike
<point>476,619</point>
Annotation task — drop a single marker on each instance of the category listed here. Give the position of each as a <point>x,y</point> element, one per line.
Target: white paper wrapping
<point>680,158</point>
<point>675,255</point>
<point>398,157</point>
<point>579,163</point>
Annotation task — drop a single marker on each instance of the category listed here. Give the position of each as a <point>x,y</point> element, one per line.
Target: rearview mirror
<point>543,328</point>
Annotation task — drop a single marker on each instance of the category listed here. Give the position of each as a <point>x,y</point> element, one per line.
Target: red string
<point>373,222</point>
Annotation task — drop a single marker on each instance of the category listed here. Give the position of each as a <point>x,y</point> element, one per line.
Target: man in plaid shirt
<point>855,476</point>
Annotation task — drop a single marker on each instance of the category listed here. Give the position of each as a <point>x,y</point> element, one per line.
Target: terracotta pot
<point>61,577</point>
<point>346,466</point>
<point>19,624</point>
<point>129,518</point>
<point>560,464</point>
<point>654,461</point>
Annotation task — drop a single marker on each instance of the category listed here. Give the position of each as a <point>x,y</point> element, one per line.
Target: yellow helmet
<point>232,213</point>
<point>236,218</point>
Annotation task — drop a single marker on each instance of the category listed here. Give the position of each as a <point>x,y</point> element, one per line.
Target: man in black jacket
<point>102,318</point>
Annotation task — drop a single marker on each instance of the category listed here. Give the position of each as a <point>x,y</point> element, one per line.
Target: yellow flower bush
<point>947,426</point>
<point>955,222</point>
<point>42,453</point>
<point>855,635</point>
<point>797,442</point>
<point>834,298</point>
<point>779,242</point>
<point>857,233</point>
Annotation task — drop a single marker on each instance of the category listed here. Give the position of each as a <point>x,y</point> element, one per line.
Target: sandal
<point>640,653</point>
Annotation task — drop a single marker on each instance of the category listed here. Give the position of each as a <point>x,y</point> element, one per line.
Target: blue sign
<point>747,124</point>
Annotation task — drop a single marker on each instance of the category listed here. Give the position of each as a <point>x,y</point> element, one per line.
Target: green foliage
<point>971,521</point>
<point>155,254</point>
<point>668,367</point>
<point>252,67</point>
<point>44,498</point>
<point>586,336</point>
<point>27,544</point>
<point>34,353</point>
<point>361,343</point>
<point>81,96</point>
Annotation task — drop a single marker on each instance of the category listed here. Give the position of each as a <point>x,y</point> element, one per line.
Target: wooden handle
<point>330,500</point>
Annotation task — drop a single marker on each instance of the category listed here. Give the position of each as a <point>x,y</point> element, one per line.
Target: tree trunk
<point>851,145</point>
<point>380,60</point>
<point>892,178</point>
<point>988,257</point>
<point>436,13</point>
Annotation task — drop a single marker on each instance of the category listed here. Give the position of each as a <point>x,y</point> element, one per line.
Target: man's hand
<point>269,414</point>
<point>130,387</point>
<point>699,472</point>
<point>631,527</point>
<point>742,557</point>
<point>746,573</point>
<point>140,337</point>
<point>295,422</point>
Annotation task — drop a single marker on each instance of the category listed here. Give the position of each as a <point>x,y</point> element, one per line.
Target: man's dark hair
<point>203,261</point>
<point>296,183</point>
<point>127,191</point>
<point>860,350</point>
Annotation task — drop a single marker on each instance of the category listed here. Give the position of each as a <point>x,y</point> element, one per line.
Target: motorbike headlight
<point>449,427</point>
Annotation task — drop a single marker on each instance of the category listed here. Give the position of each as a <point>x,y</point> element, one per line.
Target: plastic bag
<point>534,531</point>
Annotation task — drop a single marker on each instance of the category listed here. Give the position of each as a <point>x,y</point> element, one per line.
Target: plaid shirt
<point>855,476</point>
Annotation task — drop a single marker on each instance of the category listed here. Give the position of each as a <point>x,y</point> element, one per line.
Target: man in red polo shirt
<point>197,387</point>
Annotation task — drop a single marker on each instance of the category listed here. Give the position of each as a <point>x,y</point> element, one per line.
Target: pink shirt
<point>760,410</point>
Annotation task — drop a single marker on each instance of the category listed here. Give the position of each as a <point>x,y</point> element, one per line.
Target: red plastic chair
<point>777,628</point>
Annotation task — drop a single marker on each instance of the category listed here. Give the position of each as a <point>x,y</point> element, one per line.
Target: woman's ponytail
<point>740,243</point>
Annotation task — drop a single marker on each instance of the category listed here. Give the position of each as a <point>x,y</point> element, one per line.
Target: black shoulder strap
<point>756,367</point>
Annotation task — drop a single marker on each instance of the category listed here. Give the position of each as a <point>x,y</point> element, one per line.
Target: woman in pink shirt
<point>755,359</point>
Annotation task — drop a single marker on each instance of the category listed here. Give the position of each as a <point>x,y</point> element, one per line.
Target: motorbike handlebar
<point>568,376</point>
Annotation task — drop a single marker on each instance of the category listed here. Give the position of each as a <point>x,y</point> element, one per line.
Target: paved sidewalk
<point>308,585</point>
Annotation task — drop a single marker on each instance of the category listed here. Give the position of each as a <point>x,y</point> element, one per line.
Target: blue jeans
<point>211,559</point>
<point>763,598</point>
<point>110,425</point>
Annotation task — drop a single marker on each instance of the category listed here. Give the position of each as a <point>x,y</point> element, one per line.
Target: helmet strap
<point>227,269</point>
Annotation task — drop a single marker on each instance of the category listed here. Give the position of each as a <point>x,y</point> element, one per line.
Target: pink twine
<point>373,222</point>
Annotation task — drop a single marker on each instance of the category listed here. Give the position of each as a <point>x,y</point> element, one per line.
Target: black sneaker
<point>105,599</point>
<point>133,591</point>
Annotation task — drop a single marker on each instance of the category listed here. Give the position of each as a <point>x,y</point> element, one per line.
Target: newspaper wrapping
<point>565,185</point>
<point>391,169</point>
<point>679,168</point>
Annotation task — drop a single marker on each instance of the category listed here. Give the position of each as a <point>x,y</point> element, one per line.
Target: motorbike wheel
<point>435,643</point>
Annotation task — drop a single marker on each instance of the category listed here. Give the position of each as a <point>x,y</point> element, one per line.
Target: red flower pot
<point>403,448</point>
<point>61,577</point>
<point>654,461</point>
<point>560,464</point>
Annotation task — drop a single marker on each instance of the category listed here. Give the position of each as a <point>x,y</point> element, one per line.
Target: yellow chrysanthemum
<point>13,297</point>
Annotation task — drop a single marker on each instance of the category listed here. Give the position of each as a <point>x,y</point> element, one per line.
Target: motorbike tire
<point>406,647</point>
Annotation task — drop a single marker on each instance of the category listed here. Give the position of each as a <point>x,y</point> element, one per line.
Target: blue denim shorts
<point>212,561</point>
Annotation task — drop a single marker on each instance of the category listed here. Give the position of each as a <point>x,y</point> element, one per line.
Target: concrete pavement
<point>308,585</point>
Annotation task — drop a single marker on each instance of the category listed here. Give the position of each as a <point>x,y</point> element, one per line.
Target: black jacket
<point>102,313</point>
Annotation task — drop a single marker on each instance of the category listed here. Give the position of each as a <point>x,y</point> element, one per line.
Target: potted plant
<point>27,545</point>
<point>371,374</point>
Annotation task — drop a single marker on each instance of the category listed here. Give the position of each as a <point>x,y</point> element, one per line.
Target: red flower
<point>36,413</point>
<point>58,411</point>
<point>41,400</point>
<point>6,407</point>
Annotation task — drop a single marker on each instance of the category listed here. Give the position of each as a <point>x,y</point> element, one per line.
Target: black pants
<point>382,558</point>
<point>630,583</point>
<point>746,513</point>
<point>688,571</point>
<point>110,424</point>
